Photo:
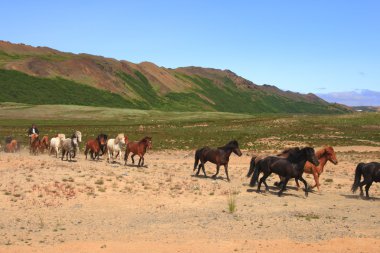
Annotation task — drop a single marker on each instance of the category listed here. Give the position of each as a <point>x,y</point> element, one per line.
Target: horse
<point>95,146</point>
<point>290,167</point>
<point>34,144</point>
<point>324,155</point>
<point>114,146</point>
<point>79,138</point>
<point>219,156</point>
<point>56,144</point>
<point>11,147</point>
<point>103,145</point>
<point>44,144</point>
<point>138,148</point>
<point>370,173</point>
<point>70,145</point>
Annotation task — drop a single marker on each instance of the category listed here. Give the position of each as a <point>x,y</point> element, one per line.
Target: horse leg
<point>316,179</point>
<point>126,157</point>
<point>226,169</point>
<point>283,186</point>
<point>63,155</point>
<point>361,187</point>
<point>262,179</point>
<point>367,189</point>
<point>143,160</point>
<point>133,160</point>
<point>217,171</point>
<point>305,183</point>
<point>203,169</point>
<point>199,169</point>
<point>297,183</point>
<point>139,163</point>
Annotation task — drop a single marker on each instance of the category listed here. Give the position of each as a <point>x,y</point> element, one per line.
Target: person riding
<point>31,131</point>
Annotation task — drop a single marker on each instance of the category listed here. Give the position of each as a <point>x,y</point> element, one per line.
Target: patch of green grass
<point>22,88</point>
<point>231,201</point>
<point>308,216</point>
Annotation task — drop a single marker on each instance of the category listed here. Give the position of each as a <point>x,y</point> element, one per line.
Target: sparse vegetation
<point>231,202</point>
<point>189,130</point>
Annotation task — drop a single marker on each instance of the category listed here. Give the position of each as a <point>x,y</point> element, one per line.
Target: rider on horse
<point>33,130</point>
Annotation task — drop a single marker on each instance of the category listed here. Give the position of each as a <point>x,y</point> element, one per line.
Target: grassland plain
<point>189,130</point>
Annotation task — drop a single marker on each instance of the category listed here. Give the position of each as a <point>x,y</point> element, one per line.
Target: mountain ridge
<point>148,86</point>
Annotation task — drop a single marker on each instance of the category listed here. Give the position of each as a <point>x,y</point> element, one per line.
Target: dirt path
<point>52,206</point>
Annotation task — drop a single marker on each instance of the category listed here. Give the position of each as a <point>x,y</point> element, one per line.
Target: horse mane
<point>231,144</point>
<point>145,139</point>
<point>296,154</point>
<point>323,151</point>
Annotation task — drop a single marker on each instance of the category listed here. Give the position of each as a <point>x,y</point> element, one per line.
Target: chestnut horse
<point>324,155</point>
<point>11,147</point>
<point>44,144</point>
<point>138,148</point>
<point>219,156</point>
<point>95,146</point>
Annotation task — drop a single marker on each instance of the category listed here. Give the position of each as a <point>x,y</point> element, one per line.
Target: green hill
<point>46,76</point>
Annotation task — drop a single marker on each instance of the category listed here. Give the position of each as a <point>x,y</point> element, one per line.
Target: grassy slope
<point>19,87</point>
<point>189,130</point>
<point>22,88</point>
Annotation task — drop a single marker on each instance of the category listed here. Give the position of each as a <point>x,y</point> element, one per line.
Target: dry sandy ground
<point>52,206</point>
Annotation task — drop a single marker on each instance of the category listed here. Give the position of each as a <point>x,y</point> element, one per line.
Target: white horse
<point>56,143</point>
<point>114,146</point>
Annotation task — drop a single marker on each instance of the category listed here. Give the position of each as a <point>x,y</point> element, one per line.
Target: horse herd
<point>68,147</point>
<point>290,163</point>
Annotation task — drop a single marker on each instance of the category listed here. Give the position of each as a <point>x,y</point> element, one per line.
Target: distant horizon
<point>303,46</point>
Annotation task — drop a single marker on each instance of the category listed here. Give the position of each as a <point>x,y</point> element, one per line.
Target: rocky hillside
<point>41,75</point>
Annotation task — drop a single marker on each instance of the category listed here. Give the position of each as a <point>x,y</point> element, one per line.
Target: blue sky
<point>301,45</point>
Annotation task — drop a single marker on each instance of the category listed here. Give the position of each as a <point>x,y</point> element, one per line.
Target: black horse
<point>219,156</point>
<point>370,172</point>
<point>103,145</point>
<point>256,159</point>
<point>290,167</point>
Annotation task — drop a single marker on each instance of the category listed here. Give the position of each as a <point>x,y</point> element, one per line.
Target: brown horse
<point>324,155</point>
<point>34,144</point>
<point>138,148</point>
<point>44,144</point>
<point>96,146</point>
<point>219,156</point>
<point>11,147</point>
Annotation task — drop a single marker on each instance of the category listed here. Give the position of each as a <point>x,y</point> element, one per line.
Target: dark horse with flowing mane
<point>370,173</point>
<point>96,146</point>
<point>290,167</point>
<point>323,155</point>
<point>138,148</point>
<point>219,156</point>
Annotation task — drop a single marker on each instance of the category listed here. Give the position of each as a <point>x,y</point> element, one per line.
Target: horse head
<point>102,139</point>
<point>78,134</point>
<point>310,156</point>
<point>330,155</point>
<point>120,138</point>
<point>148,141</point>
<point>234,145</point>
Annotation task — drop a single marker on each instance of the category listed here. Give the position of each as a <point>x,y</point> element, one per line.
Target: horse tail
<point>358,174</point>
<point>197,157</point>
<point>256,172</point>
<point>252,166</point>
